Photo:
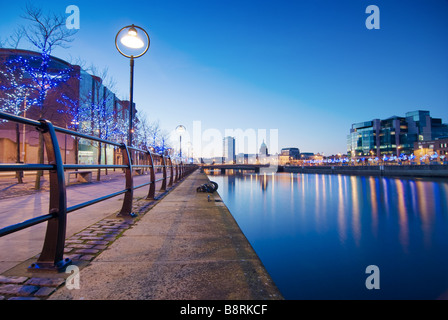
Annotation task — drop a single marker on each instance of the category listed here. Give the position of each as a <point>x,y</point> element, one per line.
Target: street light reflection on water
<point>316,234</point>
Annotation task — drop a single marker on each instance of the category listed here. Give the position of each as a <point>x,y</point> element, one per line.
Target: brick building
<point>81,91</point>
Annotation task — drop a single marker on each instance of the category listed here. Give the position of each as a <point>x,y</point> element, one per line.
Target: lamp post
<point>189,153</point>
<point>180,129</point>
<point>135,48</point>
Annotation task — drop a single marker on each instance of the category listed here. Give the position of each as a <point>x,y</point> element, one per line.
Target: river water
<point>317,234</point>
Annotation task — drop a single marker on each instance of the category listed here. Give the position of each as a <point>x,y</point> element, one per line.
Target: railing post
<point>52,255</point>
<point>163,188</point>
<point>182,170</point>
<point>171,172</point>
<point>152,186</point>
<point>177,173</point>
<point>126,210</point>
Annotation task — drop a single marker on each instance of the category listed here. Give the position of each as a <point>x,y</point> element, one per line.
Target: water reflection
<point>356,228</point>
<point>402,213</point>
<point>264,182</point>
<point>342,227</point>
<point>373,185</point>
<point>328,228</point>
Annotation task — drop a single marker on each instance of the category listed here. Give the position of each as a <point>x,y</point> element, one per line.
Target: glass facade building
<point>229,150</point>
<point>395,135</point>
<point>293,153</point>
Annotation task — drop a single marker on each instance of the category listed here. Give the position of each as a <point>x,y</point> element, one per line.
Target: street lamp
<point>129,43</point>
<point>398,150</point>
<point>189,153</point>
<point>180,129</point>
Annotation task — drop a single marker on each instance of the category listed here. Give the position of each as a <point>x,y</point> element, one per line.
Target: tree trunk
<point>19,174</point>
<point>98,176</point>
<point>40,159</point>
<point>105,157</point>
<point>76,151</point>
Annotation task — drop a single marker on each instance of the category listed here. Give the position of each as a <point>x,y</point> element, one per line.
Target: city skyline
<point>308,69</point>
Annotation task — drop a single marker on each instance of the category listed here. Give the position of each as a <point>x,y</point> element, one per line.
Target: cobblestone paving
<point>83,246</point>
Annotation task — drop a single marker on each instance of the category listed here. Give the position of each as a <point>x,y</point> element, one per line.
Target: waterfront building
<point>289,156</point>
<point>433,149</point>
<point>242,158</point>
<point>393,136</point>
<point>229,149</point>
<point>73,104</point>
<point>441,146</point>
<point>306,155</point>
<point>294,153</point>
<point>247,158</point>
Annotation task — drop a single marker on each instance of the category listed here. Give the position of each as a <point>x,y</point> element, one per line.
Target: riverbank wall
<point>426,171</point>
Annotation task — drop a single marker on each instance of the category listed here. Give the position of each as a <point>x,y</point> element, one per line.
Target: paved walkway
<point>18,247</point>
<point>180,247</point>
<point>184,248</point>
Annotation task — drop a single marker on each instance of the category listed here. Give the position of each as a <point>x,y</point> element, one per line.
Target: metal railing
<point>52,255</point>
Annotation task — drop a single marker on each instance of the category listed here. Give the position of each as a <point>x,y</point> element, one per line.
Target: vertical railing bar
<point>182,170</point>
<point>171,172</point>
<point>163,188</point>
<point>52,255</point>
<point>177,174</point>
<point>152,186</point>
<point>126,210</point>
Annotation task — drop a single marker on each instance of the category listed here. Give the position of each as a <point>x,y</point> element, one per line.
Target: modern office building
<point>289,155</point>
<point>439,146</point>
<point>395,135</point>
<point>69,105</point>
<point>229,150</point>
<point>306,155</point>
<point>293,153</point>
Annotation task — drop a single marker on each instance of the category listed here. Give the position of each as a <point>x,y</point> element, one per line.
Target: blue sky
<point>308,68</point>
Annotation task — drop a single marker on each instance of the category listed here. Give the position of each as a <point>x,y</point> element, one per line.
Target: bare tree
<point>164,141</point>
<point>15,99</point>
<point>103,120</point>
<point>142,131</point>
<point>13,40</point>
<point>45,32</point>
<point>151,136</point>
<point>154,134</point>
<point>104,75</point>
